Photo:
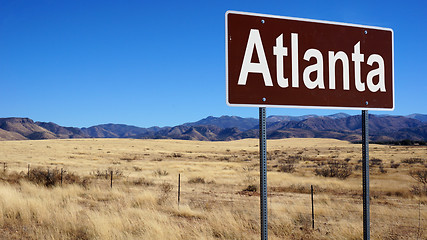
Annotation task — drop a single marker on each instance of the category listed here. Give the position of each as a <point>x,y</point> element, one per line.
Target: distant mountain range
<point>382,128</point>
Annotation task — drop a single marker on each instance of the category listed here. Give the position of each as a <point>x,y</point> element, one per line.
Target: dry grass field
<point>219,189</point>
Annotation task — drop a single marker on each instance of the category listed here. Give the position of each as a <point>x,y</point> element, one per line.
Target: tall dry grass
<point>143,201</point>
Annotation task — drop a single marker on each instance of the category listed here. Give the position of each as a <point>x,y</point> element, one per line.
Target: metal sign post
<point>263,172</point>
<point>281,75</point>
<point>365,174</point>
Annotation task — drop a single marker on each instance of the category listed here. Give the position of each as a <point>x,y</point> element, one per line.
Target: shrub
<point>196,180</point>
<point>129,158</point>
<point>394,165</point>
<point>70,178</point>
<point>419,190</point>
<point>375,161</point>
<point>42,177</point>
<point>303,221</point>
<point>100,173</point>
<point>142,182</point>
<point>165,189</point>
<point>334,168</point>
<point>160,173</point>
<point>382,170</point>
<point>251,188</point>
<point>86,182</point>
<point>12,177</point>
<point>49,177</point>
<point>294,159</point>
<point>137,169</point>
<point>413,161</point>
<point>287,168</point>
<point>419,175</point>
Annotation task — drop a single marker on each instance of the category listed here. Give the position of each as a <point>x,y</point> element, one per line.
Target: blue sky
<point>162,63</point>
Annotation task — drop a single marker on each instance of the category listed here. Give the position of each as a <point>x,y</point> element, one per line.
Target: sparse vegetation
<point>160,173</point>
<point>100,173</point>
<point>107,173</point>
<point>251,188</point>
<point>165,189</point>
<point>130,158</point>
<point>142,204</point>
<point>419,190</point>
<point>197,180</point>
<point>137,169</point>
<point>394,165</point>
<point>402,143</point>
<point>413,161</point>
<point>375,161</point>
<point>142,182</point>
<point>287,168</point>
<point>382,169</point>
<point>419,175</point>
<point>334,168</point>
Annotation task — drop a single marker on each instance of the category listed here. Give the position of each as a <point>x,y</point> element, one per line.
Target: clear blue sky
<point>146,63</point>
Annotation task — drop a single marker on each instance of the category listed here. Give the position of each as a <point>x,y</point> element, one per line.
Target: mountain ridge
<point>224,128</point>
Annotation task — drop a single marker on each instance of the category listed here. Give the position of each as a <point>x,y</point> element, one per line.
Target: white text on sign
<point>280,51</point>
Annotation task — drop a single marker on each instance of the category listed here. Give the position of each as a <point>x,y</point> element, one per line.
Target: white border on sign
<point>304,20</point>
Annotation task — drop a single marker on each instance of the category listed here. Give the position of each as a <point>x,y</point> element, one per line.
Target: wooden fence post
<point>179,188</point>
<point>111,183</point>
<point>312,207</point>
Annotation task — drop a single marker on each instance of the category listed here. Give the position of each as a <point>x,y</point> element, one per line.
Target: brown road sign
<point>275,61</point>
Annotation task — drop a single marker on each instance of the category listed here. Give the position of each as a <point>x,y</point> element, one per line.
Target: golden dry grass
<point>143,201</point>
